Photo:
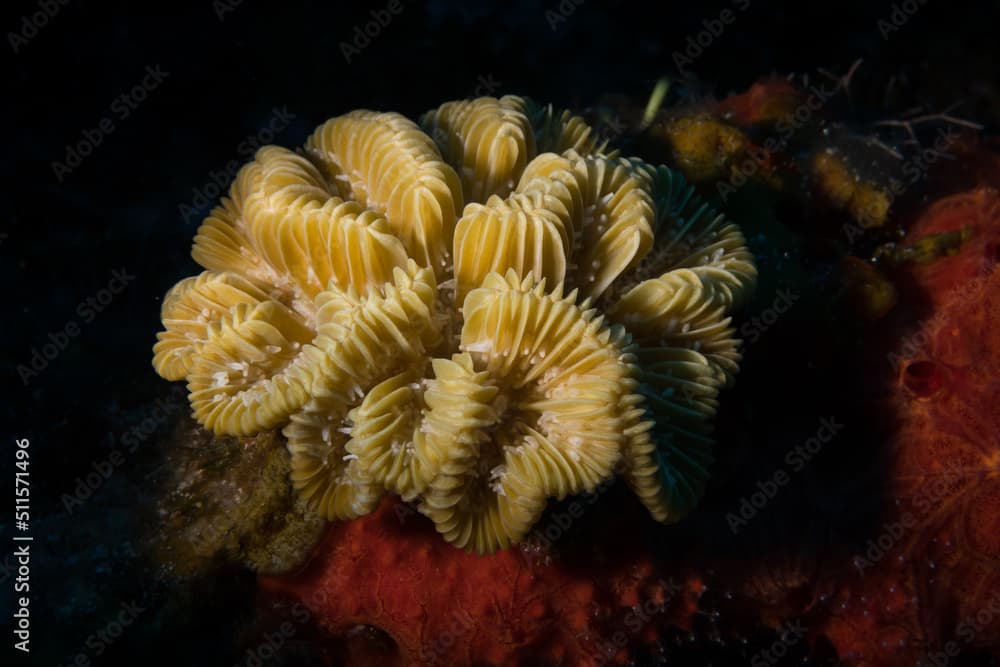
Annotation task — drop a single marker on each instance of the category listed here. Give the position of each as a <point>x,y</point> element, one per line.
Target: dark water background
<point>124,207</point>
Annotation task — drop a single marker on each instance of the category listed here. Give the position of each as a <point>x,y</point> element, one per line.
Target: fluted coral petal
<point>691,234</point>
<point>480,496</point>
<point>552,177</point>
<point>256,368</point>
<point>682,309</point>
<point>617,221</point>
<point>387,164</point>
<point>365,338</point>
<point>189,310</point>
<point>366,335</point>
<point>386,432</point>
<point>339,241</point>
<point>669,445</point>
<point>488,141</point>
<point>500,236</point>
<point>609,209</point>
<point>326,476</point>
<point>257,232</point>
<point>601,210</point>
<point>221,244</point>
<point>562,370</point>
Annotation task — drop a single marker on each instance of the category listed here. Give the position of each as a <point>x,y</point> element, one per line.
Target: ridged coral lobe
<point>569,323</point>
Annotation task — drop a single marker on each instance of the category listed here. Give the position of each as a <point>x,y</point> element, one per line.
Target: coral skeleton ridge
<point>477,313</point>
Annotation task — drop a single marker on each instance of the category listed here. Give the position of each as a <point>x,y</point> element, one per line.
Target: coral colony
<point>477,313</point>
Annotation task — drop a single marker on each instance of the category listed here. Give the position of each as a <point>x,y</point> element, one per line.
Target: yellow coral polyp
<point>384,162</point>
<point>614,224</point>
<point>561,372</point>
<point>570,323</point>
<point>323,472</point>
<point>489,140</point>
<point>386,434</point>
<point>681,309</point>
<point>255,370</point>
<point>481,497</point>
<point>188,310</point>
<point>366,337</point>
<point>503,234</point>
<point>582,220</point>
